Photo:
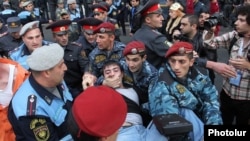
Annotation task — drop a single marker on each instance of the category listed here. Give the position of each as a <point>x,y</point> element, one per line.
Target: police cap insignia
<point>134,47</point>
<point>40,129</point>
<point>179,47</point>
<point>60,26</point>
<point>152,6</point>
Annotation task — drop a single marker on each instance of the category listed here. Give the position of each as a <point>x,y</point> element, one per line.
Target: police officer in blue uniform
<point>156,43</point>
<point>39,109</point>
<point>74,56</point>
<point>11,40</point>
<point>32,39</point>
<point>88,38</point>
<point>7,12</point>
<point>107,48</point>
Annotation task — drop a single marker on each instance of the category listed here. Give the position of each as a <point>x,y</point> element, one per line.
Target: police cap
<point>105,27</point>
<point>100,7</point>
<point>29,26</point>
<point>151,7</point>
<point>59,27</point>
<point>89,24</point>
<point>14,24</point>
<point>6,3</point>
<point>45,57</point>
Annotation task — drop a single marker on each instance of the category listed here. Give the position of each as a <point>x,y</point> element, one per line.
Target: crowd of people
<point>87,84</point>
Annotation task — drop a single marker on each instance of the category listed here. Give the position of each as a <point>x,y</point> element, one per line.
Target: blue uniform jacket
<point>197,93</point>
<point>97,57</point>
<point>20,54</point>
<point>37,114</point>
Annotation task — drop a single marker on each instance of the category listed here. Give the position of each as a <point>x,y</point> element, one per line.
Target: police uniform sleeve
<point>37,128</point>
<point>82,59</point>
<point>160,45</point>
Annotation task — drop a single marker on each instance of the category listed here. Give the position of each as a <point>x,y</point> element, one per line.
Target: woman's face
<point>172,14</point>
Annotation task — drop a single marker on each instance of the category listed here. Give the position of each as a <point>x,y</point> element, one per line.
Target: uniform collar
<point>42,92</point>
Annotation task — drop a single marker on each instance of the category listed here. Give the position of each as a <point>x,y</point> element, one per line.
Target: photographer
<point>189,29</point>
<point>235,100</point>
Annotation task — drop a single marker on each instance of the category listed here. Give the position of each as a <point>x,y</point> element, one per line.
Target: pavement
<point>222,53</point>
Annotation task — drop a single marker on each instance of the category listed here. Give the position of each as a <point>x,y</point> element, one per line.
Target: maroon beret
<point>179,47</point>
<point>105,27</point>
<point>134,47</point>
<point>99,111</point>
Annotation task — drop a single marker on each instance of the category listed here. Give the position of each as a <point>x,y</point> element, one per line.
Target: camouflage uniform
<point>141,80</point>
<point>97,58</point>
<point>197,93</point>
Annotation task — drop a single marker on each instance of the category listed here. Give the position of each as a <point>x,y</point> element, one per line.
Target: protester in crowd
<point>74,56</point>
<point>174,21</point>
<point>185,89</point>
<point>11,77</point>
<point>88,37</point>
<point>32,38</point>
<point>234,96</point>
<point>97,114</point>
<point>13,39</point>
<point>155,42</point>
<point>190,33</point>
<point>39,108</point>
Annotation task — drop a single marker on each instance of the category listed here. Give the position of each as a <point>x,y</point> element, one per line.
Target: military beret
<point>89,24</point>
<point>71,1</point>
<point>26,3</point>
<point>134,47</point>
<point>100,7</point>
<point>99,111</point>
<point>105,27</point>
<point>45,57</point>
<point>14,24</point>
<point>60,26</point>
<point>28,26</point>
<point>179,47</point>
<point>152,6</point>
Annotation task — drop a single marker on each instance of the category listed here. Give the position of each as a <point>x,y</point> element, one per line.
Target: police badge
<point>180,88</point>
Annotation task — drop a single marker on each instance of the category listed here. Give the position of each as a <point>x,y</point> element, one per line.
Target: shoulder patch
<point>40,129</point>
<point>83,53</point>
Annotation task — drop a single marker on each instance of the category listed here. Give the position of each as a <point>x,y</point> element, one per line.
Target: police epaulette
<point>14,50</point>
<point>77,44</point>
<point>31,105</point>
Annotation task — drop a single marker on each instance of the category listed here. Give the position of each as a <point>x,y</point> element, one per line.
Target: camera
<point>216,19</point>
